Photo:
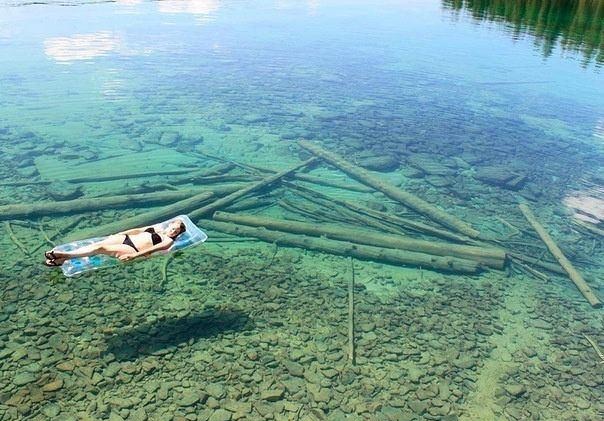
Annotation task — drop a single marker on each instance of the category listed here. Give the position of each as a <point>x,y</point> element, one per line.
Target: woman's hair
<point>182,228</point>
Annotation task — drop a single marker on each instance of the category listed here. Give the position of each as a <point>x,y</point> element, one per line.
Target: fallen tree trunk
<point>143,219</point>
<point>101,203</point>
<point>490,257</point>
<point>574,275</point>
<point>552,267</point>
<point>331,183</point>
<point>214,170</point>
<point>346,215</point>
<point>383,216</point>
<point>589,227</point>
<point>227,200</point>
<point>342,248</point>
<point>215,179</point>
<point>322,181</point>
<point>251,203</point>
<point>407,199</point>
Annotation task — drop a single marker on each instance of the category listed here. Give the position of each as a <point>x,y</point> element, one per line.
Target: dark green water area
<point>398,281</point>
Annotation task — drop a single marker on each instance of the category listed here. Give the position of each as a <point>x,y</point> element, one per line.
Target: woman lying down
<point>125,245</point>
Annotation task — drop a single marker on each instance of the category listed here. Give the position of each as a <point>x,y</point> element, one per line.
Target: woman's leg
<point>113,250</point>
<point>107,246</point>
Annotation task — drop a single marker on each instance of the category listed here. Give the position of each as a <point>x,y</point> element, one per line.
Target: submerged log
<point>231,198</point>
<point>574,275</point>
<point>588,226</point>
<point>491,257</point>
<point>407,199</point>
<point>342,248</point>
<point>322,181</point>
<point>383,216</point>
<point>331,183</point>
<point>107,202</point>
<point>214,170</point>
<point>143,219</point>
<point>215,179</point>
<point>348,216</point>
<point>251,203</point>
<point>351,353</point>
<point>551,267</point>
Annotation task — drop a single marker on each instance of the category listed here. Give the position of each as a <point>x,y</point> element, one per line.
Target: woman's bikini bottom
<point>129,242</point>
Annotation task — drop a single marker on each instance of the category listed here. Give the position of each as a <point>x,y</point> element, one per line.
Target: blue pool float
<point>191,237</point>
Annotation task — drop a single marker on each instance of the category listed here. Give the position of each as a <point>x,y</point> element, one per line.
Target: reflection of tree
<point>578,25</point>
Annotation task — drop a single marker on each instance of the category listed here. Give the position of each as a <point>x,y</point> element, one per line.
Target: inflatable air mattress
<point>191,237</point>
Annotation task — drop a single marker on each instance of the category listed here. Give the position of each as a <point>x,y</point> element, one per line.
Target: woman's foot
<point>54,258</point>
<point>53,262</point>
<point>55,255</point>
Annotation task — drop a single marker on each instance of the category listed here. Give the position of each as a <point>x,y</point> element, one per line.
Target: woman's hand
<point>126,257</point>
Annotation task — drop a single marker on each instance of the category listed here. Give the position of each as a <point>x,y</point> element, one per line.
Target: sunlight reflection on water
<point>81,46</point>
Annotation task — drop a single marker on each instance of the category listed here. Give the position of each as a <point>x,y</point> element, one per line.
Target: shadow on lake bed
<point>161,337</point>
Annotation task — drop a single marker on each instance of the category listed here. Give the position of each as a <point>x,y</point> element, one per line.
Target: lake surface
<point>470,107</point>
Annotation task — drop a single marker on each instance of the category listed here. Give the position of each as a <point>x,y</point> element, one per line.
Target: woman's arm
<point>139,230</point>
<point>132,231</point>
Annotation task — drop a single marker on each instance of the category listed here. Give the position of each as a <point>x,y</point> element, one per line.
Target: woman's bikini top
<point>155,237</point>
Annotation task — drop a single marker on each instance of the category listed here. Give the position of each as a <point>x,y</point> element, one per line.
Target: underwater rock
<point>138,415</point>
<point>61,190</point>
<point>515,389</point>
<point>216,390</point>
<point>272,395</point>
<point>294,368</point>
<point>27,172</point>
<point>438,181</point>
<point>427,164</point>
<point>24,378</point>
<point>22,160</point>
<point>411,172</point>
<point>87,154</point>
<point>531,192</point>
<point>58,342</point>
<point>254,118</point>
<point>464,363</point>
<point>169,138</point>
<point>53,386</point>
<point>500,176</point>
<point>414,374</point>
<point>541,324</point>
<point>51,410</point>
<point>127,142</point>
<point>190,398</point>
<point>426,393</point>
<point>418,407</point>
<point>318,393</point>
<point>328,116</point>
<point>379,163</point>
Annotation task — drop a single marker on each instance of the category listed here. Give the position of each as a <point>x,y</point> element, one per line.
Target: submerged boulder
<point>501,176</point>
<point>428,164</point>
<point>62,190</point>
<point>169,138</point>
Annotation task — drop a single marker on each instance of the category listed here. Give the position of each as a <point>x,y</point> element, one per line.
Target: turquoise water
<point>473,107</point>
